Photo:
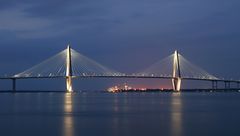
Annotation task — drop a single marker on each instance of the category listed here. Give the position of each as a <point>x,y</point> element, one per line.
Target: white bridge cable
<point>189,70</point>
<point>162,68</point>
<point>84,66</point>
<point>56,66</point>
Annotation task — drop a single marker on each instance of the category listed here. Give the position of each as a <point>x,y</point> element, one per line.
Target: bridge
<point>69,64</point>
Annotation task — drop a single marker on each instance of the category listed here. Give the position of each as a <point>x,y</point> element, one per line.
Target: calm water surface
<point>123,114</point>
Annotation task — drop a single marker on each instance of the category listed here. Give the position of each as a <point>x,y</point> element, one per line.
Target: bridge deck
<point>125,76</point>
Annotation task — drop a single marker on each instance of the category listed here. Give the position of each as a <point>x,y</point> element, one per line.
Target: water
<point>123,114</point>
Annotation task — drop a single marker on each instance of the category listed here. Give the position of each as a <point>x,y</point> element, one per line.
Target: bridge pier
<point>14,84</point>
<point>214,85</point>
<point>227,85</point>
<point>69,84</point>
<point>176,80</point>
<point>238,85</point>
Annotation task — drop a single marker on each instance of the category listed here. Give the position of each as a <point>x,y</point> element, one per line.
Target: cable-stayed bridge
<point>70,64</point>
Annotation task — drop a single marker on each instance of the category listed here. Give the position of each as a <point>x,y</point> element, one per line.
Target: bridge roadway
<point>214,81</point>
<point>120,76</point>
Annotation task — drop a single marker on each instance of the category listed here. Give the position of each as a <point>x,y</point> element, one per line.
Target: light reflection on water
<point>176,114</point>
<point>129,114</point>
<point>68,123</point>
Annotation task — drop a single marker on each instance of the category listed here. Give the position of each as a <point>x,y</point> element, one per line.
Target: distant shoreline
<point>122,91</point>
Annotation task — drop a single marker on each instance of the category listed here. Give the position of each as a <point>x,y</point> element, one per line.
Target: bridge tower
<point>176,80</point>
<point>69,70</point>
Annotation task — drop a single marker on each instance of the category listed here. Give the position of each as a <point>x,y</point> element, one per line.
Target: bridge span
<point>69,65</point>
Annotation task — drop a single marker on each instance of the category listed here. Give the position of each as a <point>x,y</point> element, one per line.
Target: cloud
<point>118,19</point>
<point>115,28</point>
<point>15,20</point>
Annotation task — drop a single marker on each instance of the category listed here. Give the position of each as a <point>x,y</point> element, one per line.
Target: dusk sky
<point>126,35</point>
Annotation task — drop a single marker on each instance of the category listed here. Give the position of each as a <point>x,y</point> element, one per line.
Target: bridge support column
<point>69,84</point>
<point>238,85</point>
<point>176,81</point>
<point>214,85</point>
<point>69,70</point>
<point>14,84</point>
<point>227,85</point>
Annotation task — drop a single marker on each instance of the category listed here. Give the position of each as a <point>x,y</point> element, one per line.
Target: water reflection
<point>176,114</point>
<point>115,120</point>
<point>68,123</point>
<point>116,104</point>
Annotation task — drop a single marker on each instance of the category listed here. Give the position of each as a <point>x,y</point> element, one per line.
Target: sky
<point>126,35</point>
